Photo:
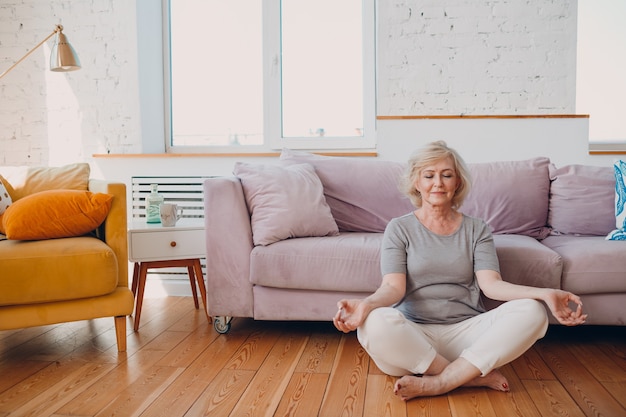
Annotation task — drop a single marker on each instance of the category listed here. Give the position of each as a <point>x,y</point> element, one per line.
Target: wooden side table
<point>152,245</point>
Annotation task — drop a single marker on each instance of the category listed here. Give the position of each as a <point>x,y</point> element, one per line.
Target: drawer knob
<point>173,243</point>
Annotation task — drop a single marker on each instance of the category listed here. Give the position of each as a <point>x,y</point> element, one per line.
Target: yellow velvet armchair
<point>56,280</point>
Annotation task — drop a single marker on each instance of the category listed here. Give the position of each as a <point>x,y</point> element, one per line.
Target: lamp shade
<point>63,57</point>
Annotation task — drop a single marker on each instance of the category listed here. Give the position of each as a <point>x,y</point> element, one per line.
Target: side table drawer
<point>166,245</point>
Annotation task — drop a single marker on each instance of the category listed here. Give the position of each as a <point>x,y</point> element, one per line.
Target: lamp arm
<point>57,29</point>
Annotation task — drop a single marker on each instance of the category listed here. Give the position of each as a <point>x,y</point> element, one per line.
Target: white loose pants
<point>489,340</point>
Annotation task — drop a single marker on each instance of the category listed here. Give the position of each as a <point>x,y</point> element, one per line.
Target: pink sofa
<point>286,240</point>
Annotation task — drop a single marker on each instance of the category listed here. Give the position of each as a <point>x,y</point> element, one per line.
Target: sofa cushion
<point>286,304</point>
<point>56,269</point>
<point>348,262</point>
<point>591,264</point>
<point>284,202</point>
<point>605,309</point>
<point>55,214</point>
<point>22,181</point>
<point>363,194</point>
<point>524,260</point>
<point>511,196</point>
<point>620,201</point>
<point>581,200</point>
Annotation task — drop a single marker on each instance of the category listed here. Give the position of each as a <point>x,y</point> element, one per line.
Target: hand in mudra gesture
<point>558,302</point>
<point>350,315</point>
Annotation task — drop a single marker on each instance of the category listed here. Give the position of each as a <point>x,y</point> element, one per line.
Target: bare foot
<point>410,386</point>
<point>494,380</point>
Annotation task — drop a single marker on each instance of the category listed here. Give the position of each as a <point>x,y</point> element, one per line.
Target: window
<point>250,75</point>
<point>601,85</point>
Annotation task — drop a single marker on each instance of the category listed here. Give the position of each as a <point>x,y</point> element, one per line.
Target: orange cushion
<point>55,214</point>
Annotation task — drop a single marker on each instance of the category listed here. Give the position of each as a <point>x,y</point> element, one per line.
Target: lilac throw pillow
<point>582,200</point>
<point>363,194</point>
<point>511,196</point>
<point>284,202</point>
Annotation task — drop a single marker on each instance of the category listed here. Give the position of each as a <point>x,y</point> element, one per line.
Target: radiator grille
<point>184,191</point>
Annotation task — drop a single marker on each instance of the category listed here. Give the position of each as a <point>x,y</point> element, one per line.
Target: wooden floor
<point>177,365</point>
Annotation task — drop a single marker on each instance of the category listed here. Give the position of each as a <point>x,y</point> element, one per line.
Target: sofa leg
<point>120,333</point>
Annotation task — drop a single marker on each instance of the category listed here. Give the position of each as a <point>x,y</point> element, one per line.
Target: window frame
<point>272,95</point>
<point>597,142</point>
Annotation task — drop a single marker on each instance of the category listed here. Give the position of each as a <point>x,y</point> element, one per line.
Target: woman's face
<point>438,183</point>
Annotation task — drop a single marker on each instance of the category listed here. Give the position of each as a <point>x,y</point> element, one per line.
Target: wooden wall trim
<point>484,116</point>
<point>615,152</point>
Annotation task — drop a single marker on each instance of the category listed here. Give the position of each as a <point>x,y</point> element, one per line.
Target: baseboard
<point>164,287</point>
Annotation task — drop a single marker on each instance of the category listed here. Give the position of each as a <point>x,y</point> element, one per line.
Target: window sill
<point>226,155</point>
<point>607,148</point>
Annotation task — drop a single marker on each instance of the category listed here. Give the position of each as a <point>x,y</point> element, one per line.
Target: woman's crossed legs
<point>435,359</point>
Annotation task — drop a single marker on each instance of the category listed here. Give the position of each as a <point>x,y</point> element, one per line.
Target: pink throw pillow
<point>511,196</point>
<point>582,200</point>
<point>284,202</point>
<point>363,194</point>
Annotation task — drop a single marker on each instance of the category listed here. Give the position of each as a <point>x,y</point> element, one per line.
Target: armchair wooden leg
<point>120,333</point>
<point>135,278</point>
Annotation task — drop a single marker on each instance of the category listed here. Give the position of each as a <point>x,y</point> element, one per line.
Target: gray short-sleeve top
<point>441,286</point>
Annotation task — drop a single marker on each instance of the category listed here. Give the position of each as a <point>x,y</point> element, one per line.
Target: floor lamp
<point>62,57</point>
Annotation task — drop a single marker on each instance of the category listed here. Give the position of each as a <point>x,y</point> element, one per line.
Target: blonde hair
<point>426,156</point>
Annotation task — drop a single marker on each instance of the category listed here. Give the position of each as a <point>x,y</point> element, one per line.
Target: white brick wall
<point>476,57</point>
<point>434,57</point>
<point>56,118</point>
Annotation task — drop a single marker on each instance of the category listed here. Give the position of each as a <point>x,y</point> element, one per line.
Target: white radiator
<point>184,191</point>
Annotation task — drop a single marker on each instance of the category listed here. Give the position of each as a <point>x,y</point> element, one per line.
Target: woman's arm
<point>492,285</point>
<point>352,313</point>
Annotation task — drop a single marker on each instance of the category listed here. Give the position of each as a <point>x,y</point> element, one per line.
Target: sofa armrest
<point>228,247</point>
<point>115,225</point>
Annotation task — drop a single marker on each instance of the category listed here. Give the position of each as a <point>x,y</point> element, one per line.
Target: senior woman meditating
<point>426,323</point>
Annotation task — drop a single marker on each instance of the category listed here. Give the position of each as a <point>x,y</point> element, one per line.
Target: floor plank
<point>62,390</point>
<point>223,394</point>
<point>471,402</point>
<point>429,407</point>
<point>268,385</point>
<point>146,389</point>
<point>380,399</point>
<point>104,391</point>
<point>346,389</point>
<point>304,394</point>
<point>552,399</point>
<point>190,387</point>
<point>516,402</point>
<point>592,398</point>
<point>35,386</point>
<point>177,365</point>
<point>319,354</point>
